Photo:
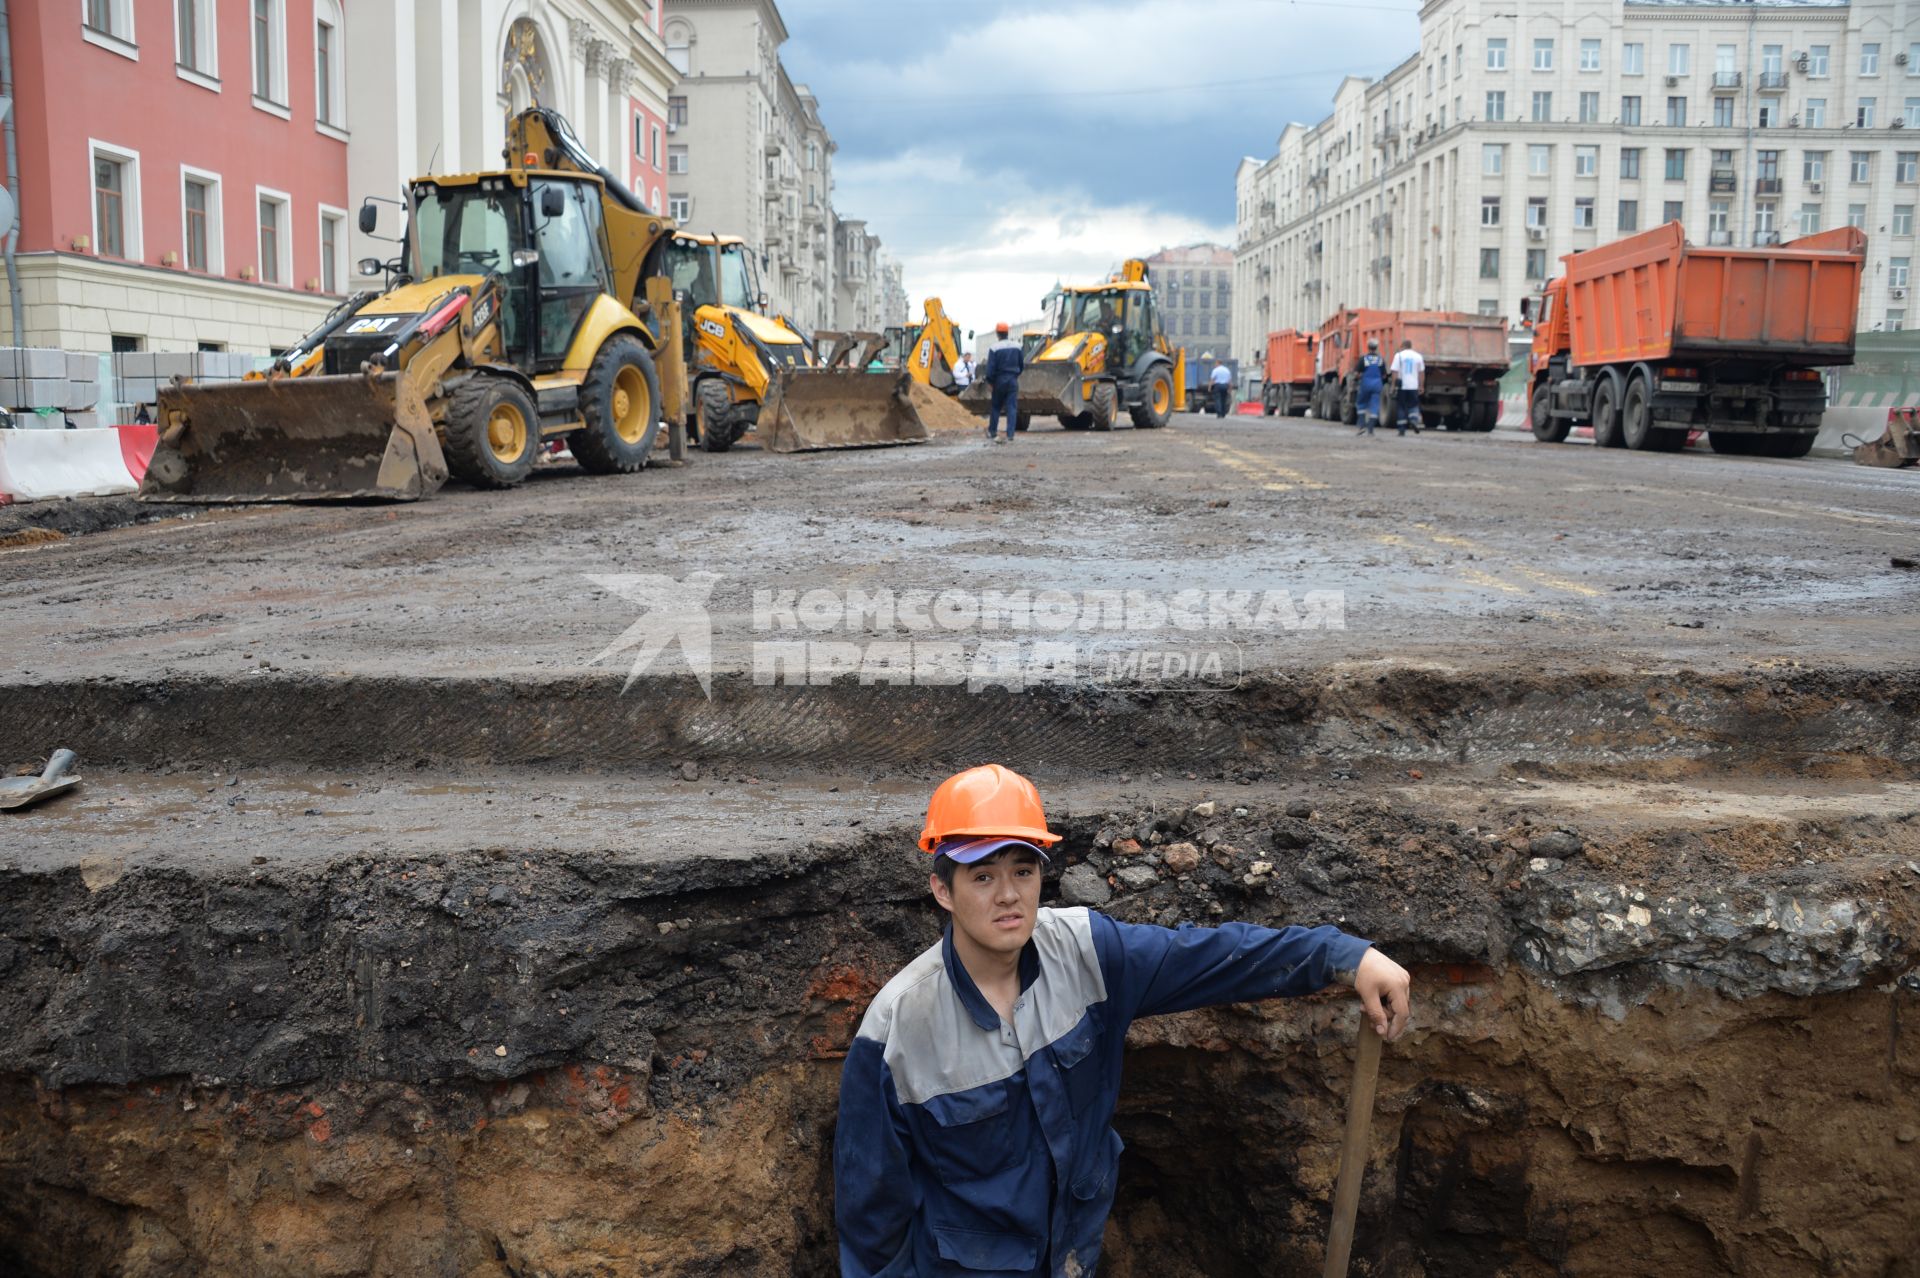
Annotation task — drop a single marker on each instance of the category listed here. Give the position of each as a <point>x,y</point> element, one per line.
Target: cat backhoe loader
<point>1104,353</point>
<point>513,312</point>
<point>748,368</point>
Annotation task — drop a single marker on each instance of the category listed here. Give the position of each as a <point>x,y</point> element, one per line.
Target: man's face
<point>994,902</point>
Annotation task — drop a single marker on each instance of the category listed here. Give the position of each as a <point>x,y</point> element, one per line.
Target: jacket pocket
<point>974,1136</point>
<point>978,1251</point>
<point>1080,1065</point>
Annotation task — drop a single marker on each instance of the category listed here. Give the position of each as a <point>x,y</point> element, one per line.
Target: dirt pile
<point>626,1063</point>
<point>939,411</point>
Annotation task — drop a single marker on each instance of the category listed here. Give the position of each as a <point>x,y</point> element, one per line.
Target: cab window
<point>736,284</point>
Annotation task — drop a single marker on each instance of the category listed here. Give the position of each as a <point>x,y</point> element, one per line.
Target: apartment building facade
<point>1460,178</point>
<point>189,170</point>
<point>1193,291</point>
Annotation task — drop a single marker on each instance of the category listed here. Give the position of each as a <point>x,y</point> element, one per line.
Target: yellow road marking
<point>1532,574</point>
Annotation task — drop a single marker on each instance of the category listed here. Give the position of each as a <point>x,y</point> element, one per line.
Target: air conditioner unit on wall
<point>1673,82</point>
<point>1897,294</point>
<point>1814,188</point>
<point>1899,59</point>
<point>1536,232</point>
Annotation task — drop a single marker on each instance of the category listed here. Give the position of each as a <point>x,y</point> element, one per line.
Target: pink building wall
<point>70,92</point>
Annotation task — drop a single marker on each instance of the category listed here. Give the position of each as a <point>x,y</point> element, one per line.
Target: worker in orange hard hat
<point>1005,362</point>
<point>976,1099</point>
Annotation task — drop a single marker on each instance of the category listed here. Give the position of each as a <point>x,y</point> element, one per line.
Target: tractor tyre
<point>1798,444</point>
<point>1100,406</point>
<point>717,424</point>
<point>493,432</point>
<point>1076,421</point>
<point>1608,428</point>
<point>1022,421</point>
<point>1156,406</point>
<point>620,409</point>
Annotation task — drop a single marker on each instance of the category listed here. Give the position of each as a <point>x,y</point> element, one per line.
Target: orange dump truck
<point>1466,356</point>
<point>1650,337</point>
<point>1287,379</point>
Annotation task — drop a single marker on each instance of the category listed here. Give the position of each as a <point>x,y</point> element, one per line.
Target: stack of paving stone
<point>141,374</point>
<point>50,388</point>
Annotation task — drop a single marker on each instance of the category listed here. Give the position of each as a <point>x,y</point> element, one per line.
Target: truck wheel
<point>1022,421</point>
<point>493,432</point>
<point>1795,445</point>
<point>1156,408</point>
<point>1100,406</point>
<point>1546,428</point>
<point>1733,443</point>
<point>1268,406</point>
<point>1350,404</point>
<point>716,415</point>
<point>1483,416</point>
<point>1080,421</point>
<point>620,409</point>
<point>1286,401</point>
<point>1609,430</point>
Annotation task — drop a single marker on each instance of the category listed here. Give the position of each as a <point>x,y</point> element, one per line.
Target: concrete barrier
<point>39,465</point>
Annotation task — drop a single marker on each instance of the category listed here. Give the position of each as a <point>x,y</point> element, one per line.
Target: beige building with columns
<point>1458,179</point>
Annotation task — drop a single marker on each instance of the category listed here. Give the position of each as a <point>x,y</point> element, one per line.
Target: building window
<point>1493,158</point>
<point>1765,115</point>
<point>328,80</point>
<point>676,159</point>
<point>1589,55</point>
<point>1723,63</point>
<point>1489,263</point>
<point>679,207</point>
<point>1630,162</point>
<point>1679,58</point>
<point>1817,60</point>
<point>1905,163</point>
<point>1809,219</point>
<point>1496,55</point>
<point>1542,106</point>
<point>112,20</point>
<point>1676,164</point>
<point>1813,166</point>
<point>1583,213</point>
<point>1629,216</point>
<point>1722,113</point>
<point>1672,211</point>
<point>1630,110</point>
<point>1489,306</point>
<point>653,157</point>
<point>1489,210</point>
<point>1496,104</point>
<point>1536,264</point>
<point>1539,160</point>
<point>1859,166</point>
<point>1589,108</point>
<point>1767,166</point>
<point>200,221</point>
<point>114,230</point>
<point>1869,59</point>
<point>1586,161</point>
<point>269,30</point>
<point>274,267</point>
<point>1903,219</point>
<point>1863,114</point>
<point>194,48</point>
<point>1633,59</point>
<point>1912,113</point>
<point>1536,211</point>
<point>1460,59</point>
<point>1676,112</point>
<point>1543,55</point>
<point>1897,271</point>
<point>1716,221</point>
<point>1763,224</point>
<point>1896,321</point>
<point>1770,59</point>
<point>332,240</point>
<point>679,41</point>
<point>676,113</point>
<point>1857,216</point>
<point>1816,113</point>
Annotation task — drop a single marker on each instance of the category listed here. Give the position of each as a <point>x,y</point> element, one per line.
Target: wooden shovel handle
<point>1353,1152</point>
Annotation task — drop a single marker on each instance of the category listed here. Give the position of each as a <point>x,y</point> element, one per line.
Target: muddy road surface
<point>490,886</point>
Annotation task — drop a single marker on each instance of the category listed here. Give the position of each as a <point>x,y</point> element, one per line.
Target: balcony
<point>773,147</point>
<point>1317,247</point>
<point>1772,82</point>
<point>1725,81</point>
<point>1384,222</point>
<point>1311,286</point>
<point>1719,239</point>
<point>1766,188</point>
<point>1766,237</point>
<point>1722,181</point>
<point>1382,265</point>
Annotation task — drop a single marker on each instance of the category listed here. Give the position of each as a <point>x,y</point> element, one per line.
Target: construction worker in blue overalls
<point>1373,373</point>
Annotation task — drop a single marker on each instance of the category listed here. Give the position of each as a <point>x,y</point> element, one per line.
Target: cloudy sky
<point>996,147</point>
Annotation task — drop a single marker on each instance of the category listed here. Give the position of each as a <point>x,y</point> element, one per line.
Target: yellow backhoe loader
<point>1107,354</point>
<point>936,348</point>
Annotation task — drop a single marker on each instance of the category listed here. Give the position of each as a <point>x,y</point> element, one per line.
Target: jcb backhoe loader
<point>936,348</point>
<point>514,312</point>
<point>1107,353</point>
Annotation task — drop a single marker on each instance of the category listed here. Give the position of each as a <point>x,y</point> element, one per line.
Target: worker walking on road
<point>1373,371</point>
<point>975,1099</point>
<point>1221,380</point>
<point>1409,374</point>
<point>1004,363</point>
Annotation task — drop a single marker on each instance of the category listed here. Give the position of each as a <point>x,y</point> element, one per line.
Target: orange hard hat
<point>988,800</point>
<point>1001,327</point>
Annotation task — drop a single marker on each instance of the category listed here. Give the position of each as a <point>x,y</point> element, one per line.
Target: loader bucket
<point>978,397</point>
<point>808,409</point>
<point>1051,388</point>
<point>322,438</point>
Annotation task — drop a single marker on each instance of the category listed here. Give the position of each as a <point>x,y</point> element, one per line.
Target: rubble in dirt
<point>409,1064</point>
<point>940,411</point>
<point>38,522</point>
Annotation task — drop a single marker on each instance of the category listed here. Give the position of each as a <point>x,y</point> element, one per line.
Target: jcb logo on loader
<point>376,324</point>
<point>713,328</point>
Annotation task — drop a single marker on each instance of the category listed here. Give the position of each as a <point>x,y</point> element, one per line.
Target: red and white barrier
<point>36,465</point>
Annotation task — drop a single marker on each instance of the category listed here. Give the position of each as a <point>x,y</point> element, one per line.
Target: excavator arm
<point>938,337</point>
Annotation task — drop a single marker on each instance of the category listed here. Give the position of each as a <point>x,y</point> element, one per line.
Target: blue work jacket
<point>1005,363</point>
<point>968,1146</point>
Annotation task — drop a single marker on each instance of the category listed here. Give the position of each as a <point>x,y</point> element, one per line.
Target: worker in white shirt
<point>963,372</point>
<point>1409,371</point>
